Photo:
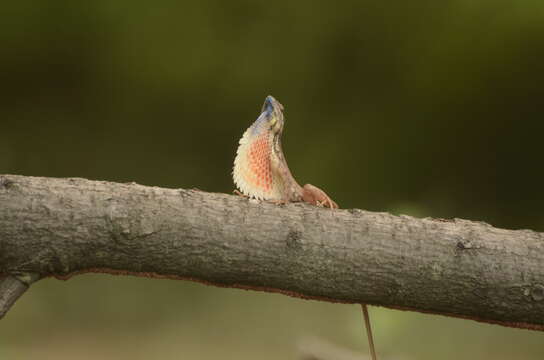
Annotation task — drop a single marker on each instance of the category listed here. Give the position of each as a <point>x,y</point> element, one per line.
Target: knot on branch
<point>466,244</point>
<point>5,183</point>
<point>293,239</point>
<point>537,292</point>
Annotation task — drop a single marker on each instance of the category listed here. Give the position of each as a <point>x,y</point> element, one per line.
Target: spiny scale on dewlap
<point>260,168</point>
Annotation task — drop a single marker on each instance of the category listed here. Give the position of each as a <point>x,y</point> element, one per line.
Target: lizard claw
<point>236,192</point>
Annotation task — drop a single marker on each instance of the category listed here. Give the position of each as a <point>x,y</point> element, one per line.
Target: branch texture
<point>61,227</point>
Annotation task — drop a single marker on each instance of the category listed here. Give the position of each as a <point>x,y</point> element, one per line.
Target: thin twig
<point>369,332</point>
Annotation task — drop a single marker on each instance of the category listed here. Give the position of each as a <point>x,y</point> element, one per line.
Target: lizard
<point>261,171</point>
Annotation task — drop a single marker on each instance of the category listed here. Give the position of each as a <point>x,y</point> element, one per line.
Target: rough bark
<point>61,227</point>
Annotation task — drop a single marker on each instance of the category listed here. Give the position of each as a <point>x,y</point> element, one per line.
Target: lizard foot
<point>315,196</point>
<point>236,192</point>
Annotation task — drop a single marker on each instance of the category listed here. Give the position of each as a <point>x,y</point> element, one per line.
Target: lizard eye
<point>276,125</point>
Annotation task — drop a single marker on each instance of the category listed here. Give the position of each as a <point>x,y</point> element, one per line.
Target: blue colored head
<point>271,105</point>
<point>271,118</point>
<point>272,113</point>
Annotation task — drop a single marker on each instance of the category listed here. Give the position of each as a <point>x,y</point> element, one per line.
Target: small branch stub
<point>11,288</point>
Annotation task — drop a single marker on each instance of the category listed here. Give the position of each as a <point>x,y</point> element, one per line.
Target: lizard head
<point>272,113</point>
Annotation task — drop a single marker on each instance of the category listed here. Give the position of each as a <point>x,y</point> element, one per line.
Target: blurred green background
<point>428,108</point>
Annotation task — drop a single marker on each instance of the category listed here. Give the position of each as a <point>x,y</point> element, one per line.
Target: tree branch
<point>61,227</point>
